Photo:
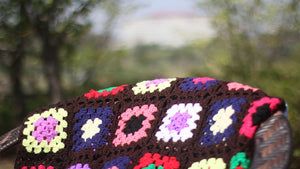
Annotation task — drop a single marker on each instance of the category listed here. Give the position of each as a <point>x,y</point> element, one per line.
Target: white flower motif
<point>91,128</point>
<point>179,122</point>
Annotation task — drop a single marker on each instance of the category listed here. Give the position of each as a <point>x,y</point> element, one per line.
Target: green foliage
<point>261,40</point>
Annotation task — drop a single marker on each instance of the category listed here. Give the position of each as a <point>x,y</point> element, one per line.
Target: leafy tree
<point>38,37</point>
<point>255,31</point>
<point>14,29</point>
<point>261,39</point>
<point>55,22</point>
<point>42,29</point>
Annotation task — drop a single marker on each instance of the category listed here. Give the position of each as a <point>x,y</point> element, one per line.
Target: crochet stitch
<point>220,122</point>
<point>150,161</point>
<point>119,163</point>
<point>45,129</point>
<point>91,127</point>
<point>198,83</point>
<point>133,124</point>
<point>237,86</point>
<point>104,92</point>
<point>208,164</point>
<point>39,167</point>
<point>45,135</point>
<point>239,161</point>
<point>151,86</point>
<point>80,166</point>
<point>258,109</point>
<point>177,123</point>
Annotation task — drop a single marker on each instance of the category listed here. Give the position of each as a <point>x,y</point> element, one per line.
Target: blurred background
<point>53,50</point>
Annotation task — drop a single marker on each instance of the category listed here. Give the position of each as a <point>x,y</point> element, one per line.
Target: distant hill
<point>166,29</point>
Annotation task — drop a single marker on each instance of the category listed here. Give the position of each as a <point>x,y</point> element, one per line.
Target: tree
<point>262,40</point>
<point>47,31</point>
<point>55,22</point>
<point>12,52</point>
<point>248,27</point>
<point>41,29</point>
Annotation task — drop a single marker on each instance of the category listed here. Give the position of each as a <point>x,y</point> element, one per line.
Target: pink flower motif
<point>248,128</point>
<point>45,129</point>
<point>114,167</point>
<point>133,124</point>
<point>237,86</point>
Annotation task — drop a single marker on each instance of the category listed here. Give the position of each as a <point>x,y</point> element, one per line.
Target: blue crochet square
<point>91,127</point>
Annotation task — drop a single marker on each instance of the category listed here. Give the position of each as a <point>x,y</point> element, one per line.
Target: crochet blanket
<point>186,123</point>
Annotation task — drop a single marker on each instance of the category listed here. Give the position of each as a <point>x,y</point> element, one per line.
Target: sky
<point>153,6</point>
<point>147,8</point>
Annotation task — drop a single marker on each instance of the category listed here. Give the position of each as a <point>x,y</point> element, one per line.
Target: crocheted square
<point>118,163</point>
<point>179,122</point>
<point>149,161</point>
<point>133,124</point>
<point>91,127</point>
<point>80,166</point>
<point>220,122</point>
<point>197,83</point>
<point>259,111</point>
<point>237,86</point>
<point>45,132</point>
<point>39,167</point>
<point>152,85</point>
<point>240,161</point>
<point>159,124</point>
<point>210,163</point>
<point>105,92</point>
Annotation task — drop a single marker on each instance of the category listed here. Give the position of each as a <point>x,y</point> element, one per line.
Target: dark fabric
<point>166,123</point>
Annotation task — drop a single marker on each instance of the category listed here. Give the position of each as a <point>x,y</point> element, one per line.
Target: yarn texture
<point>176,123</point>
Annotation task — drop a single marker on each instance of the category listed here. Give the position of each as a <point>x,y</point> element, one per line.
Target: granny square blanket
<point>186,123</point>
